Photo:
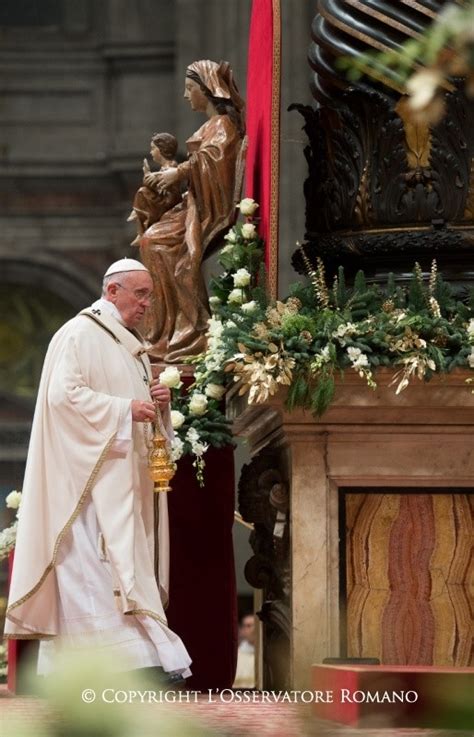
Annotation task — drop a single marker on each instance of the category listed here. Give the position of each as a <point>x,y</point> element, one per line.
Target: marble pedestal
<point>418,445</point>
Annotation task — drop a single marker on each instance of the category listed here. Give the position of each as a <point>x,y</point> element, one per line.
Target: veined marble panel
<point>408,573</point>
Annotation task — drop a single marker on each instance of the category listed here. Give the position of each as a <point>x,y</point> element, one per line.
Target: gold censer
<point>160,466</point>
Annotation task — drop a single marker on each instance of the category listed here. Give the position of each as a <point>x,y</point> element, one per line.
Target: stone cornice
<point>446,401</point>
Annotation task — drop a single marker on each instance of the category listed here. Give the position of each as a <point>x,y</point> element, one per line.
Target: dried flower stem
<point>419,274</point>
<point>310,271</point>
<point>433,277</point>
<point>435,308</point>
<point>335,286</point>
<point>322,292</point>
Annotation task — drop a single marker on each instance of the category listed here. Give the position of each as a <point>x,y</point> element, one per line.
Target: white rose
<point>249,306</point>
<point>198,404</point>
<point>214,301</point>
<point>177,419</point>
<point>231,236</point>
<point>235,297</point>
<point>215,391</point>
<point>192,435</point>
<point>470,360</point>
<point>247,206</point>
<point>241,278</point>
<point>170,377</point>
<point>249,231</point>
<point>230,323</point>
<point>470,328</point>
<point>13,499</point>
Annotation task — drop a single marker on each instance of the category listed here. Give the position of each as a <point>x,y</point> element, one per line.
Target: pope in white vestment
<point>84,570</point>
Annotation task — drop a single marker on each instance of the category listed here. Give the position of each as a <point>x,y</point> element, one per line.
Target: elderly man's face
<point>132,294</point>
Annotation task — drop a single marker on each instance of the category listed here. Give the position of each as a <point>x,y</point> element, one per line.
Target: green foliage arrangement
<point>318,332</point>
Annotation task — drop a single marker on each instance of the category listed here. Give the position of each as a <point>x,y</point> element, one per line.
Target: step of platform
<point>394,696</point>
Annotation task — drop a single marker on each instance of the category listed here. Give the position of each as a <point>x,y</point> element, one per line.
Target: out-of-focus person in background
<point>245,673</point>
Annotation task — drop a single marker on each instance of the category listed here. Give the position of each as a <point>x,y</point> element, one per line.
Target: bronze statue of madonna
<point>173,247</point>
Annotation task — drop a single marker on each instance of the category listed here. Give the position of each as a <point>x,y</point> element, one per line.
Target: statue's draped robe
<point>84,556</point>
<point>173,248</point>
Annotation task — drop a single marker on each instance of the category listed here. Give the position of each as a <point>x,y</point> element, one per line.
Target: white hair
<point>115,278</point>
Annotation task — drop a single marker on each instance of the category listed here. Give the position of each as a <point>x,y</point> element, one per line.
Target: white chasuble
<point>84,555</point>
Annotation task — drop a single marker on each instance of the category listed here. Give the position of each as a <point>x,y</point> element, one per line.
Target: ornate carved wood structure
<point>383,191</point>
<point>264,501</point>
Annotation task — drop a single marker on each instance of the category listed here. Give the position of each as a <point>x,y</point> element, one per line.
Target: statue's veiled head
<point>216,83</point>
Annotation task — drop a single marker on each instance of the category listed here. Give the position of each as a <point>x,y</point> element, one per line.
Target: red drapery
<point>203,599</point>
<point>203,596</point>
<point>263,116</point>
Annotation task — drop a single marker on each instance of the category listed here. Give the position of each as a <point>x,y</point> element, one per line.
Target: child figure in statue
<point>173,247</point>
<point>149,204</point>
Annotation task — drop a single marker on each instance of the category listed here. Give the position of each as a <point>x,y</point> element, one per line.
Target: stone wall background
<point>82,86</point>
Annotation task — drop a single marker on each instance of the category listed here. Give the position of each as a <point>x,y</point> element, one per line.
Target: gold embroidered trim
<point>161,589</point>
<point>136,352</point>
<point>33,636</point>
<point>66,527</point>
<point>149,613</point>
<point>156,541</point>
<point>147,370</point>
<point>101,324</point>
<point>275,152</point>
